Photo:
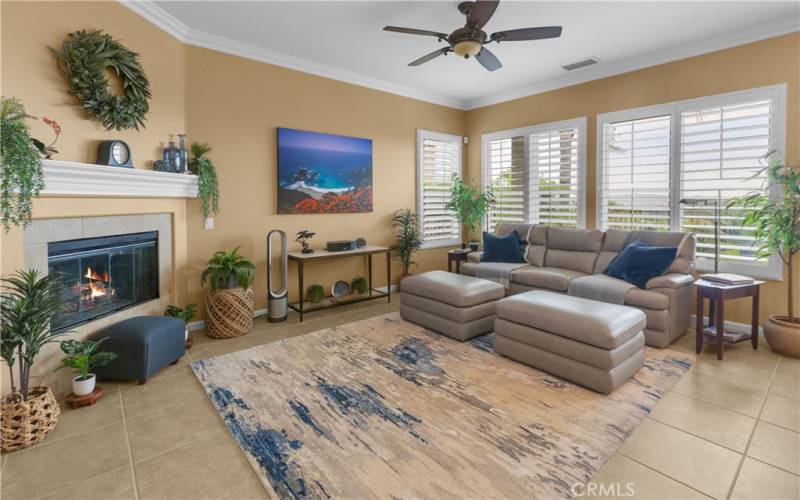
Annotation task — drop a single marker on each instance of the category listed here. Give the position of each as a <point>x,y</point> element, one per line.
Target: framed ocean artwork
<point>323,173</point>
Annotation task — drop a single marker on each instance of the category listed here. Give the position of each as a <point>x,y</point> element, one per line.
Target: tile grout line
<point>701,437</point>
<point>663,474</point>
<point>753,432</point>
<point>128,445</point>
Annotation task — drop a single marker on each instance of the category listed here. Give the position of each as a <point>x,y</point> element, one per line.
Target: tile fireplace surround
<point>43,231</point>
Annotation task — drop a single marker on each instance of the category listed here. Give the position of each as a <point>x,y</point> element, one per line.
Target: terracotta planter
<point>783,335</point>
<point>25,423</point>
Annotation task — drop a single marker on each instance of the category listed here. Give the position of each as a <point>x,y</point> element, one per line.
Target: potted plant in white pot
<point>84,357</point>
<point>776,226</point>
<point>470,206</point>
<point>229,298</point>
<point>185,314</point>
<point>27,305</point>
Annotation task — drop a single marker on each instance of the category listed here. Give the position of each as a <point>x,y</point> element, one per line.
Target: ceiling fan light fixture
<point>467,48</point>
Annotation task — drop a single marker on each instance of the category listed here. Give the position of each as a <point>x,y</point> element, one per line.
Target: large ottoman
<point>455,305</point>
<point>144,344</point>
<point>594,344</point>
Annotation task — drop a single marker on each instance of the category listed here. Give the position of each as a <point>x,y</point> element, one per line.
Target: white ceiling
<point>344,40</point>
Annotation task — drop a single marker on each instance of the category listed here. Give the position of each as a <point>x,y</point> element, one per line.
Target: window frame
<point>580,124</point>
<point>423,134</point>
<point>773,270</point>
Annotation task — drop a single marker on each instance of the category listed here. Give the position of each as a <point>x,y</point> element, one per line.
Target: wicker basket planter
<point>229,312</point>
<point>25,423</point>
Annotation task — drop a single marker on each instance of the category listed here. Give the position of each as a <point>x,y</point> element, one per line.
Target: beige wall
<point>238,107</point>
<point>768,62</point>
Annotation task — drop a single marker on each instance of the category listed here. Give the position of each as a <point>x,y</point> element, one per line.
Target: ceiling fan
<point>469,41</point>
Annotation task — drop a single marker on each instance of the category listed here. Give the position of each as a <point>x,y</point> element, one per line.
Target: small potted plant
<point>315,293</point>
<point>408,239</point>
<point>776,227</point>
<point>470,206</point>
<point>229,297</point>
<point>185,314</point>
<point>28,303</point>
<point>84,357</point>
<point>359,285</point>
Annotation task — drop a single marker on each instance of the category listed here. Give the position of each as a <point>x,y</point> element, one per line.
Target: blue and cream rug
<point>383,408</point>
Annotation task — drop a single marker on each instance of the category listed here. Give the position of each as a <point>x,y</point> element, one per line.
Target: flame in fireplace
<point>92,275</point>
<point>97,288</point>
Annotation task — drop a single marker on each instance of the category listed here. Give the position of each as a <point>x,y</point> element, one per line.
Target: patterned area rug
<point>384,408</point>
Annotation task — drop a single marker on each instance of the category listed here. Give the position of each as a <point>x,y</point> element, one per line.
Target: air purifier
<point>277,299</point>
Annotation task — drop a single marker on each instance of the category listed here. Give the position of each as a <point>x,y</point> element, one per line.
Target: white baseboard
<point>199,325</point>
<point>731,326</point>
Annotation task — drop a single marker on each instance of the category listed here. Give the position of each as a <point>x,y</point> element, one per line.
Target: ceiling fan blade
<point>414,31</point>
<point>432,55</point>
<point>481,12</point>
<point>527,34</point>
<point>488,60</point>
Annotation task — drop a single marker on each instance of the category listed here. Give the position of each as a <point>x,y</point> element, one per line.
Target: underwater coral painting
<point>323,173</point>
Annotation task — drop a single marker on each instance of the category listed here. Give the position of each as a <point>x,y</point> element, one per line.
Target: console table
<point>302,306</point>
<point>717,294</point>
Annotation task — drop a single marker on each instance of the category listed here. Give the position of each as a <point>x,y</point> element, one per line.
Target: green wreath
<point>84,60</point>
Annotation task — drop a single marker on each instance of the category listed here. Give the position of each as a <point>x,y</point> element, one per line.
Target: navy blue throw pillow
<point>638,262</point>
<point>505,249</point>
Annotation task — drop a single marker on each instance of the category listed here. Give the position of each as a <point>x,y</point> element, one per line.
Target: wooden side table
<point>717,294</point>
<point>458,256</point>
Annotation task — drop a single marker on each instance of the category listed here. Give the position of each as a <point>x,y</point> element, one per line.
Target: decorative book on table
<point>727,279</point>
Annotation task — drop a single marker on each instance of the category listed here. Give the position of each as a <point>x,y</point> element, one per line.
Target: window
<point>536,174</point>
<point>709,148</point>
<point>438,161</point>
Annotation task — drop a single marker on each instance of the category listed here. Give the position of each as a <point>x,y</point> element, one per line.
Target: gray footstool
<point>144,345</point>
<point>455,305</point>
<point>594,344</point>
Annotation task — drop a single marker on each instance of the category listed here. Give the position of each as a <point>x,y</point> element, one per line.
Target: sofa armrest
<point>474,257</point>
<point>670,280</point>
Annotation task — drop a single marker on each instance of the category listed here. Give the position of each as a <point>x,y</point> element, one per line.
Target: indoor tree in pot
<point>469,205</point>
<point>28,303</point>
<point>406,228</point>
<point>229,298</point>
<point>84,357</point>
<point>776,226</point>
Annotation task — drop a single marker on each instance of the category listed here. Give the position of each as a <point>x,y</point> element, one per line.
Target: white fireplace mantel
<point>66,178</point>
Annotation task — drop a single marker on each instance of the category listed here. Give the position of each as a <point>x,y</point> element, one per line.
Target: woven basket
<point>229,313</point>
<point>25,423</point>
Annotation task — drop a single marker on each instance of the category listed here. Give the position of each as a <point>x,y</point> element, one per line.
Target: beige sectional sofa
<point>556,256</point>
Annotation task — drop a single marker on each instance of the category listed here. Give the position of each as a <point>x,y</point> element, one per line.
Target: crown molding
<point>685,51</point>
<point>176,28</point>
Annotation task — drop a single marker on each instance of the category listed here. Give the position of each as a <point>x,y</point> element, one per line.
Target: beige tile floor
<point>728,430</point>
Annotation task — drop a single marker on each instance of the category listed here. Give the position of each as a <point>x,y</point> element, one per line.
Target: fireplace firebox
<point>103,275</point>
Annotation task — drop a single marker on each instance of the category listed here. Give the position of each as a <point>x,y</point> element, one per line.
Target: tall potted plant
<point>229,298</point>
<point>27,305</point>
<point>407,237</point>
<point>469,205</point>
<point>776,226</point>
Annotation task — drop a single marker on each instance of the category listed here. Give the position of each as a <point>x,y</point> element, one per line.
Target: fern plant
<point>21,174</point>
<point>468,203</point>
<point>228,270</point>
<point>207,183</point>
<point>405,223</point>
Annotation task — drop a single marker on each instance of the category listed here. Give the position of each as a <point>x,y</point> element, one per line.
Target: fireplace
<point>104,274</point>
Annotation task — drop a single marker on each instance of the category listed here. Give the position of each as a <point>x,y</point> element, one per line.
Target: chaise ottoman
<point>594,344</point>
<point>455,305</point>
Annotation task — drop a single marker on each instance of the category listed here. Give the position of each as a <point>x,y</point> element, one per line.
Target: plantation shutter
<point>554,178</point>
<point>721,148</point>
<point>635,184</point>
<point>505,178</point>
<point>439,161</point>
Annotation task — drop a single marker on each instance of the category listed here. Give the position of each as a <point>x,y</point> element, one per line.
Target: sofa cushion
<point>537,248</point>
<point>639,262</point>
<point>574,249</point>
<point>504,229</point>
<point>648,299</point>
<point>552,278</point>
<point>502,249</point>
<point>613,244</point>
<point>603,325</point>
<point>454,289</point>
